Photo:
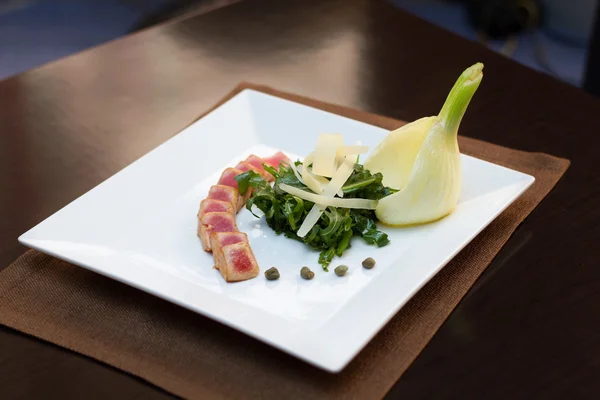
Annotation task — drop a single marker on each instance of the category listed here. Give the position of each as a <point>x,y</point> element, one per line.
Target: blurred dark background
<point>551,36</point>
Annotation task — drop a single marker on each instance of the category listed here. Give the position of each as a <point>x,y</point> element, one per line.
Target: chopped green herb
<point>332,234</point>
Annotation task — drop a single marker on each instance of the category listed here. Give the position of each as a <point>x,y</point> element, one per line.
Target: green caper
<point>272,274</point>
<point>368,263</point>
<point>306,273</point>
<point>341,270</point>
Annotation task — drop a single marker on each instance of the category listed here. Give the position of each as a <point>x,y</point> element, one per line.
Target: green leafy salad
<point>332,233</point>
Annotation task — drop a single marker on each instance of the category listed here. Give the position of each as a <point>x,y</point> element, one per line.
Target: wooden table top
<point>529,327</point>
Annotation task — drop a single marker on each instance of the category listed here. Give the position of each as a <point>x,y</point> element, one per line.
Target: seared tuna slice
<point>215,222</point>
<point>236,262</point>
<point>225,193</point>
<point>276,159</point>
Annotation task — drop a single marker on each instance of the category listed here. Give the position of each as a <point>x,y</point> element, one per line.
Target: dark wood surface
<point>591,81</point>
<point>529,328</point>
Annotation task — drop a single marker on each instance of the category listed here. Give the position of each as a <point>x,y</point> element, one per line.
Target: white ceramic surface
<point>139,227</point>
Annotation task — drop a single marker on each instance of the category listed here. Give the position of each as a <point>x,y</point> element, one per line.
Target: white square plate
<point>139,227</point>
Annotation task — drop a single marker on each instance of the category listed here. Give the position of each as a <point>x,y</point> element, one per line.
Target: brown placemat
<point>195,357</point>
